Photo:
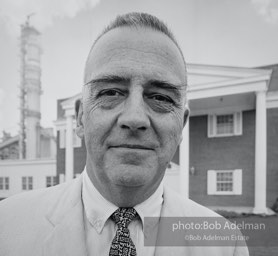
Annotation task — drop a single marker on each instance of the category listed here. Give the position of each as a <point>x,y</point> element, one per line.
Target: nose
<point>134,115</point>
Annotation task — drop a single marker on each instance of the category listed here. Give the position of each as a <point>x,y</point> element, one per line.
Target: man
<point>131,116</point>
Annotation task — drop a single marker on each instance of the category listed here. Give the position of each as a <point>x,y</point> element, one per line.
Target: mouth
<point>132,146</point>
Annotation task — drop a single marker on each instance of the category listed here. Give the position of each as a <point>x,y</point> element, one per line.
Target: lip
<point>132,146</point>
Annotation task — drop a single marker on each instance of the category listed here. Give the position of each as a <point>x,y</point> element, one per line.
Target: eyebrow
<point>168,86</point>
<point>160,84</point>
<point>109,79</point>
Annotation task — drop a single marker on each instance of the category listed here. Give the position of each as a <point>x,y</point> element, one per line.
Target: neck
<point>123,196</point>
<point>128,196</point>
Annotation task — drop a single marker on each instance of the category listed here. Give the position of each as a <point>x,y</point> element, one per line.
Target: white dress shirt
<point>100,229</point>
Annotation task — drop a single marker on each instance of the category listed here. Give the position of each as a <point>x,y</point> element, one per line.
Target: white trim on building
<point>224,182</point>
<point>224,125</point>
<point>272,99</point>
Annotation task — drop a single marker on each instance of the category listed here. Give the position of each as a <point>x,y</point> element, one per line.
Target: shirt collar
<point>152,206</point>
<point>98,209</point>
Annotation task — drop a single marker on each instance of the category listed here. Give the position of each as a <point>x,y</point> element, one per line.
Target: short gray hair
<point>139,20</point>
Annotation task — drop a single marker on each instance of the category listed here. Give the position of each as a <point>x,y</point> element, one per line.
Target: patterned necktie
<point>122,244</point>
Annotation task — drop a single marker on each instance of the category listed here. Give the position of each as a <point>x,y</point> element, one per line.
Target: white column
<point>61,178</point>
<point>260,154</point>
<point>69,147</point>
<point>184,162</point>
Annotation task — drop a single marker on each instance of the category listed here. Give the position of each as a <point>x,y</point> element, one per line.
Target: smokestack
<point>30,91</point>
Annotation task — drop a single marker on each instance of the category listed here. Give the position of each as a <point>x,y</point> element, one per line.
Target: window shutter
<point>211,182</point>
<point>237,182</point>
<point>211,130</point>
<point>238,123</point>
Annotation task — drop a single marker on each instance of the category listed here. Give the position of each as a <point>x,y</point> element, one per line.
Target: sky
<point>241,33</point>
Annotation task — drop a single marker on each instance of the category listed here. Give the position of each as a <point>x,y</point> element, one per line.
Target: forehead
<point>136,53</point>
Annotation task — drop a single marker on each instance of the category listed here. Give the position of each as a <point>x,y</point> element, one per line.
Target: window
<point>51,181</point>
<point>63,138</point>
<point>4,183</point>
<point>27,183</point>
<point>224,182</point>
<point>225,125</point>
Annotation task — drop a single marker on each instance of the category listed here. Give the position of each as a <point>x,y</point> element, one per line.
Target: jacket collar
<point>66,217</point>
<point>173,206</point>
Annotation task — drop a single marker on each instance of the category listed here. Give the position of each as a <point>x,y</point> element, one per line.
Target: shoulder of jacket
<point>186,206</point>
<point>35,199</point>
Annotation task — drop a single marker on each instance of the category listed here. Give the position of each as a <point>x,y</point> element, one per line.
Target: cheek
<point>94,121</point>
<point>94,129</point>
<point>97,126</point>
<point>175,125</point>
<point>170,131</point>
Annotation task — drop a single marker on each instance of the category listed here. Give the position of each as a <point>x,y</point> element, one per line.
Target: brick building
<point>228,157</point>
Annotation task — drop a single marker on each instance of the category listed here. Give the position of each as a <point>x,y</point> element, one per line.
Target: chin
<point>134,176</point>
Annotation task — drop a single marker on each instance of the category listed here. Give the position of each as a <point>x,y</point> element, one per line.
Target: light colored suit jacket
<point>50,222</point>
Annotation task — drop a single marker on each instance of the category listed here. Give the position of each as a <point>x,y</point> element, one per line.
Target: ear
<point>79,119</point>
<point>186,115</point>
<point>185,120</point>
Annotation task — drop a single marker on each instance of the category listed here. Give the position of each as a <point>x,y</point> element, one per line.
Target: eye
<point>110,92</point>
<point>162,98</point>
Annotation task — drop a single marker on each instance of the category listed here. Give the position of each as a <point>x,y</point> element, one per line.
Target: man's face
<point>133,107</point>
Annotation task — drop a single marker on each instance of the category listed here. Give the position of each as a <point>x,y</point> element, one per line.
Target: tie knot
<point>123,216</point>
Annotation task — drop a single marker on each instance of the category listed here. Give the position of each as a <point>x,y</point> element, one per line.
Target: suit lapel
<point>68,237</point>
<point>176,206</point>
<point>66,217</point>
<point>172,207</point>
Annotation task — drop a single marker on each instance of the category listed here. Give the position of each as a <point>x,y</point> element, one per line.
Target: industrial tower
<point>30,91</point>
